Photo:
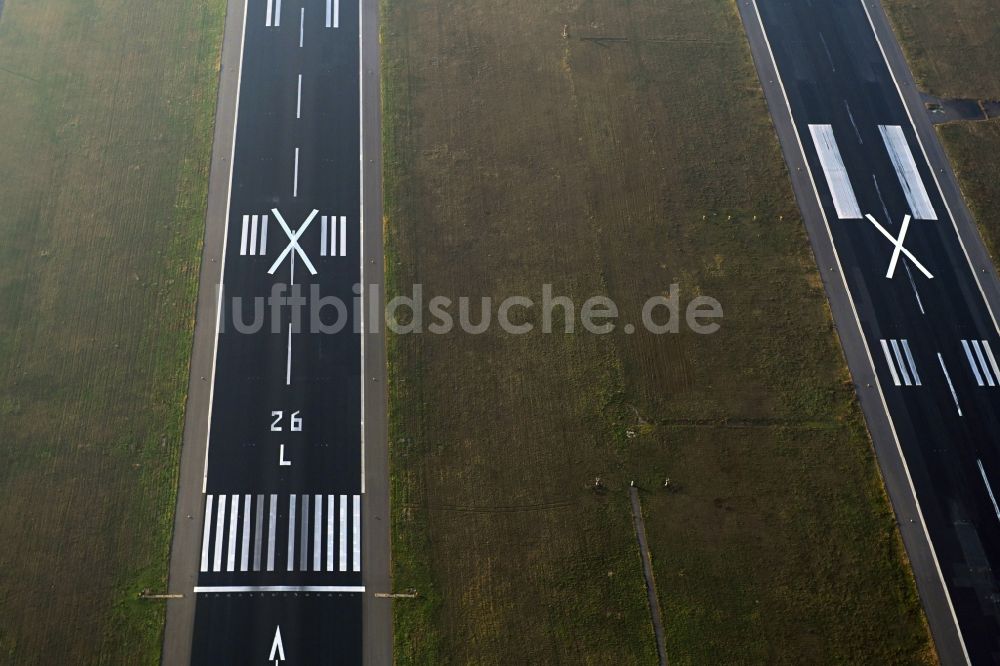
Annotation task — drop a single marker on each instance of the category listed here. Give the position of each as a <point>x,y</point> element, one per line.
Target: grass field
<point>951,46</point>
<point>520,152</point>
<point>107,110</point>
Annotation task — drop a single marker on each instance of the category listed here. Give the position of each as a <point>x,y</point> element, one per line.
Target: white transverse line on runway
<point>950,385</point>
<point>989,489</point>
<point>906,171</point>
<point>836,174</point>
<point>209,589</point>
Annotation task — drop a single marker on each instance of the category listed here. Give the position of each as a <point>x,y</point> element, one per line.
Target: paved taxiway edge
<point>189,511</point>
<point>930,585</point>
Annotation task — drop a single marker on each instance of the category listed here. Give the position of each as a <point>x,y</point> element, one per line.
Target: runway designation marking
<point>986,372</point>
<point>898,246</point>
<point>951,386</point>
<point>906,171</point>
<point>901,359</point>
<point>989,488</point>
<point>293,242</point>
<point>835,172</point>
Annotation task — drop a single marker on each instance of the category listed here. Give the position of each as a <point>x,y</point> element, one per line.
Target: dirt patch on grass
<point>518,154</point>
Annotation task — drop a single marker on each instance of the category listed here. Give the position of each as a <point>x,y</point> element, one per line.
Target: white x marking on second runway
<point>898,244</point>
<point>293,242</point>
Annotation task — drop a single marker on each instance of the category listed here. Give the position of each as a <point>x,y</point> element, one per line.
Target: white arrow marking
<point>293,242</point>
<point>281,458</point>
<point>277,649</point>
<point>898,245</point>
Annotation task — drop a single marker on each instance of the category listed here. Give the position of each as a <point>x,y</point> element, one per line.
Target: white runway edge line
<point>225,245</point>
<point>854,310</point>
<point>837,179</point>
<point>989,488</point>
<point>906,171</point>
<point>978,363</point>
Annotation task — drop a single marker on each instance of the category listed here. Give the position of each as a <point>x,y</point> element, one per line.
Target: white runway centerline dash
<point>298,100</point>
<point>295,181</point>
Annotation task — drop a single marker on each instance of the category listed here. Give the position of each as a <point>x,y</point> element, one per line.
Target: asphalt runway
<point>925,320</point>
<point>280,574</point>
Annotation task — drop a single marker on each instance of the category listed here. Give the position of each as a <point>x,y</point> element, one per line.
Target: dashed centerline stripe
<point>950,385</point>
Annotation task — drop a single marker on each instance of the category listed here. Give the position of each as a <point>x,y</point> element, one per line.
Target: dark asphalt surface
<point>320,622</point>
<point>833,72</point>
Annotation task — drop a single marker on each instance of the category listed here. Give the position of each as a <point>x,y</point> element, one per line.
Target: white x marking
<point>293,242</point>
<point>898,246</point>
